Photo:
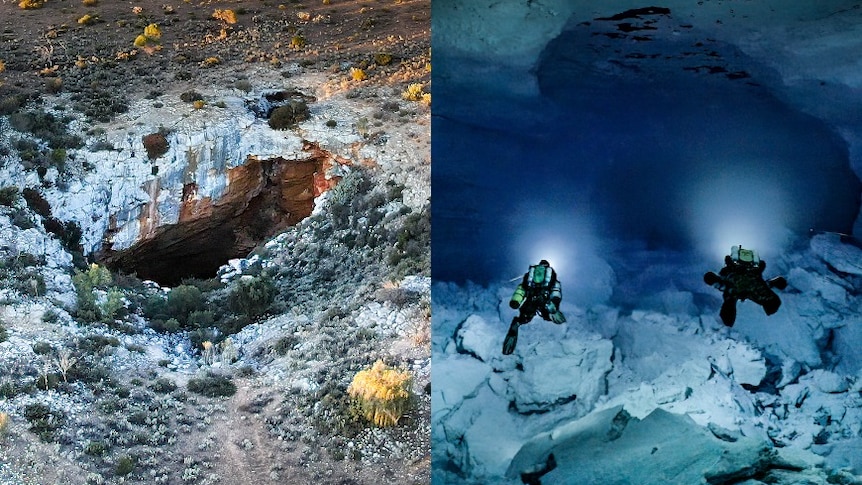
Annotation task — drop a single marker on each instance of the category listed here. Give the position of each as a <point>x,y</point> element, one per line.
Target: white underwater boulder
<point>611,447</point>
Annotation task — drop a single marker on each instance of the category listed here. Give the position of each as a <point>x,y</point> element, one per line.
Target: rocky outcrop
<point>662,448</point>
<point>261,198</point>
<point>221,182</point>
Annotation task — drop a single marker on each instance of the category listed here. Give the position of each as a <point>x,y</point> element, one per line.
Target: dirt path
<point>247,451</point>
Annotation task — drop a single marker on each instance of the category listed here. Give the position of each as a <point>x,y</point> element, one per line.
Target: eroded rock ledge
<point>261,198</point>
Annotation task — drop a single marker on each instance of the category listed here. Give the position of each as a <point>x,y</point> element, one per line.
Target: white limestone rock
<point>830,382</point>
<point>610,447</point>
<point>479,338</point>
<point>557,371</point>
<point>843,257</point>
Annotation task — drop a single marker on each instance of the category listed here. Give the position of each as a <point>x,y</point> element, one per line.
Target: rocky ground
<point>659,393</point>
<point>119,395</point>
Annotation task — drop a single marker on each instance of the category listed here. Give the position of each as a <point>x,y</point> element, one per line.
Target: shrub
<point>284,344</point>
<point>410,253</point>
<point>357,74</point>
<point>382,58</point>
<point>150,38</point>
<point>96,448</point>
<point>156,144</point>
<point>297,41</point>
<point>243,85</point>
<point>3,334</point>
<point>95,343</point>
<point>53,85</point>
<point>182,301</point>
<point>210,61</point>
<point>113,306</point>
<point>36,202</point>
<point>415,92</point>
<point>152,32</point>
<point>288,115</point>
<point>381,393</point>
<point>46,126</point>
<point>87,19</point>
<point>85,282</point>
<point>191,96</point>
<point>31,4</point>
<point>42,348</point>
<point>8,196</point>
<point>212,385</point>
<point>163,385</point>
<point>44,421</point>
<point>125,465</point>
<point>252,296</point>
<point>227,16</point>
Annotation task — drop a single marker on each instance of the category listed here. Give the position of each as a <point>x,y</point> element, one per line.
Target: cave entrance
<point>262,198</point>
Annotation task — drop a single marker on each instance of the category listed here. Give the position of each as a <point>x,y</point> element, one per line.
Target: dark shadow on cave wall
<point>668,159</point>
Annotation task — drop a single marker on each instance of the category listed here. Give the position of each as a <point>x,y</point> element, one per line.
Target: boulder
<point>558,371</point>
<point>610,447</point>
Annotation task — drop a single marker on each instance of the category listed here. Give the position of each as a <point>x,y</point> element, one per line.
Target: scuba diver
<point>742,279</point>
<point>538,293</point>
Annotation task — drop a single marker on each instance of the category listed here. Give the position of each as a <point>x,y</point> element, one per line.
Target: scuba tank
<point>747,256</point>
<point>540,276</point>
<point>518,297</point>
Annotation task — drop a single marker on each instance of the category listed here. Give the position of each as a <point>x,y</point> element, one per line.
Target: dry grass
<point>382,393</point>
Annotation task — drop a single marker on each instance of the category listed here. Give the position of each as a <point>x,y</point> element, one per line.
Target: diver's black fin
<point>511,338</point>
<point>728,311</point>
<point>778,282</point>
<point>711,278</point>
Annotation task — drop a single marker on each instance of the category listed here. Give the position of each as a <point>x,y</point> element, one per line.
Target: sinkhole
<point>262,197</point>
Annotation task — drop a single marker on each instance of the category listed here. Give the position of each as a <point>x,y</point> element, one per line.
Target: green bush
<point>411,252</point>
<point>85,281</point>
<point>47,127</point>
<point>113,306</point>
<point>42,348</point>
<point>288,115</point>
<point>44,421</point>
<point>163,385</point>
<point>182,301</point>
<point>8,196</point>
<point>96,448</point>
<point>252,297</point>
<point>125,465</point>
<point>212,385</point>
<point>3,334</point>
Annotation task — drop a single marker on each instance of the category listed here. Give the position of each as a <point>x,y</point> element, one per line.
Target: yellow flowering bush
<point>357,74</point>
<point>381,393</point>
<point>30,4</point>
<point>227,16</point>
<point>152,32</point>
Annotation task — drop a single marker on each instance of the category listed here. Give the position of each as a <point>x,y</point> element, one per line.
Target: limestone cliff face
<point>259,199</point>
<point>225,182</point>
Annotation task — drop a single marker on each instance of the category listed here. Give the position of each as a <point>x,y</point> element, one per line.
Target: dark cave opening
<point>263,197</point>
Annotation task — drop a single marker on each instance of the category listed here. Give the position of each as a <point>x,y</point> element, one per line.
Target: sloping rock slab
<point>610,447</point>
